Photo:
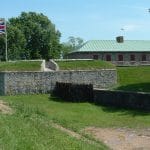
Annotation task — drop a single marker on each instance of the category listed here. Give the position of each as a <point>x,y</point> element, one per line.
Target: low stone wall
<point>2,84</point>
<point>12,83</point>
<point>86,93</point>
<point>121,99</point>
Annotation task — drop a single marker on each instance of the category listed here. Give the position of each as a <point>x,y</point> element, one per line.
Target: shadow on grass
<point>61,100</point>
<point>56,99</point>
<point>140,87</point>
<point>108,109</point>
<point>123,111</point>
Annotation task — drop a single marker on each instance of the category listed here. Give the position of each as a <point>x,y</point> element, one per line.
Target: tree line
<point>33,36</point>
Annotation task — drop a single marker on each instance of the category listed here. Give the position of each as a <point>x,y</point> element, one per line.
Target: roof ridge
<point>114,40</point>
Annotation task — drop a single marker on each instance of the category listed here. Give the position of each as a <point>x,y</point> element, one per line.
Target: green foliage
<point>134,78</point>
<point>16,43</point>
<point>66,48</point>
<point>84,65</point>
<point>31,36</point>
<point>75,42</point>
<point>72,44</point>
<point>20,66</point>
<point>2,47</point>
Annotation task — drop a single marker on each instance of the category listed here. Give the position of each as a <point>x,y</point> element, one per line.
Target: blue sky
<point>89,19</point>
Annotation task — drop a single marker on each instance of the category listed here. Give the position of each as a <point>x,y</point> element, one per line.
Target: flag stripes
<point>2,26</point>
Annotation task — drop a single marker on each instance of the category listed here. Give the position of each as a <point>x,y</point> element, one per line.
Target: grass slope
<point>20,66</point>
<point>84,65</point>
<point>29,127</point>
<point>134,78</point>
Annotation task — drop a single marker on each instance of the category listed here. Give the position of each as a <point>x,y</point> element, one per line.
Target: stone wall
<point>2,83</point>
<point>12,83</point>
<point>51,64</point>
<point>121,99</point>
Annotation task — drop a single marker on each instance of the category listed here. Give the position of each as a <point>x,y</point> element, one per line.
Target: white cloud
<point>131,27</point>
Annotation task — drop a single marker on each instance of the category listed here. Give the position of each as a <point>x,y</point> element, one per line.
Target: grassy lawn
<point>30,126</point>
<point>134,78</point>
<point>20,66</point>
<point>84,65</point>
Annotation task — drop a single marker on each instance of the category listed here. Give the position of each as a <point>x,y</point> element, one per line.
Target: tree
<point>72,44</point>
<point>75,42</point>
<point>16,43</point>
<point>79,42</point>
<point>65,49</point>
<point>39,34</point>
<point>2,47</point>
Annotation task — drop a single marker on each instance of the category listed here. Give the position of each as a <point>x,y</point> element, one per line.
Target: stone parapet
<point>43,82</point>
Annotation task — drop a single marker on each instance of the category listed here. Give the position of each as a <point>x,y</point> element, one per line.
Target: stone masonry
<point>12,83</point>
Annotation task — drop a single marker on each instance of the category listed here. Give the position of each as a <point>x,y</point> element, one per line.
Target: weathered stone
<point>122,99</point>
<point>42,82</point>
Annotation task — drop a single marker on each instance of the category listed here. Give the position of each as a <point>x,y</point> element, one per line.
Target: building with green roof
<point>128,52</point>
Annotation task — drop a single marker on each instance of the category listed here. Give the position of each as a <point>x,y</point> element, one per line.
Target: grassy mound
<point>134,78</point>
<point>84,65</point>
<point>20,66</point>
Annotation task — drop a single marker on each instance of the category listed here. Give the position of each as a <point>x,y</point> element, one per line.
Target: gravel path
<point>122,139</point>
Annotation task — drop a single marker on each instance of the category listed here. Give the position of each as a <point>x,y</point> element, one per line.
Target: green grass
<point>20,66</point>
<point>84,65</point>
<point>134,78</point>
<point>30,126</point>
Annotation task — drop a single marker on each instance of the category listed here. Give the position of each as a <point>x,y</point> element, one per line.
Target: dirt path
<point>122,139</point>
<point>116,139</point>
<point>4,108</point>
<point>70,132</point>
<point>74,134</point>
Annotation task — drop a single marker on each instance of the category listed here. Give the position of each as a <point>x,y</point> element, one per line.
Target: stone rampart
<point>12,83</point>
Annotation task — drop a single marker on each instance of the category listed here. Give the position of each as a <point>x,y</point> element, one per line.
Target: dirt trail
<point>4,108</point>
<point>74,134</point>
<point>122,139</point>
<point>116,139</point>
<point>70,132</point>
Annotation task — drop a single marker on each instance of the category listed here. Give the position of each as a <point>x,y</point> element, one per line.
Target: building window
<point>132,57</point>
<point>120,57</point>
<point>108,57</point>
<point>95,56</point>
<point>143,57</point>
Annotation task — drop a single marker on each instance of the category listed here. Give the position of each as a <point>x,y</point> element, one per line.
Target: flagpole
<point>6,46</point>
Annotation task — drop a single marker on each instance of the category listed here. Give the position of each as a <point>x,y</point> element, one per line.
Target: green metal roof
<point>113,46</point>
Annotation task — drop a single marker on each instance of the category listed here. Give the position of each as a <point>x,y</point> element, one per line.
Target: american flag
<point>2,26</point>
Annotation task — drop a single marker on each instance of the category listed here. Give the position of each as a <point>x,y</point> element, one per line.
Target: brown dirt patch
<point>4,108</point>
<point>122,139</point>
